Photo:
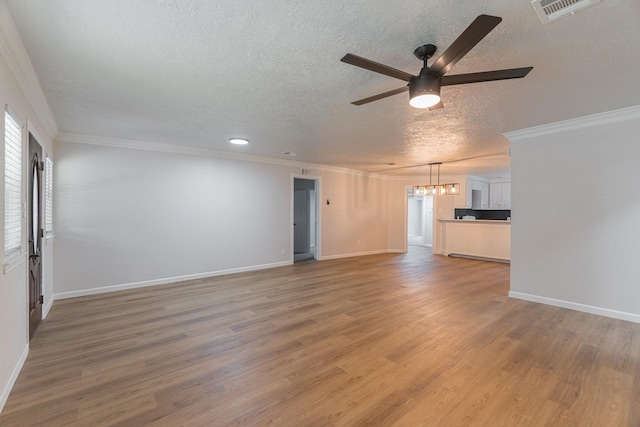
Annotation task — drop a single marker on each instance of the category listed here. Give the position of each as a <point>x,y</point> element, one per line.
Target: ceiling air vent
<point>550,10</point>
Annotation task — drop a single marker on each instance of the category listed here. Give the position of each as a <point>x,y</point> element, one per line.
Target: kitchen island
<point>477,238</point>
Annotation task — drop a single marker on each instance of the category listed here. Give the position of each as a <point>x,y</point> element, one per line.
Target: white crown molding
<point>133,144</point>
<point>14,53</point>
<point>194,151</point>
<point>599,119</point>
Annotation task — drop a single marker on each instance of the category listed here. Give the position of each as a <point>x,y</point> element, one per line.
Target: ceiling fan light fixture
<point>424,91</point>
<point>424,101</point>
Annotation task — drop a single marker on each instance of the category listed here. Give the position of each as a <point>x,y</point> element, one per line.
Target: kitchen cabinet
<point>500,195</point>
<point>483,188</point>
<point>468,194</point>
<point>485,196</point>
<point>465,199</point>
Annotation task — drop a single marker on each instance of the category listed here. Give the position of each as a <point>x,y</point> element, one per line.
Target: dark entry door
<point>35,235</point>
<point>301,228</point>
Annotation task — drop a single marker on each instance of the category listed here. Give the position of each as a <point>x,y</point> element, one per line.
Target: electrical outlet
<point>283,252</point>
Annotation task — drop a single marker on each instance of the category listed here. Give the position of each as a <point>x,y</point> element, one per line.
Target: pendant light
<point>419,191</point>
<point>452,189</point>
<point>438,189</point>
<point>435,189</point>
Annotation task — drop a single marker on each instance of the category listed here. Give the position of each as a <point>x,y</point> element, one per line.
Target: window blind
<point>48,195</point>
<point>12,185</point>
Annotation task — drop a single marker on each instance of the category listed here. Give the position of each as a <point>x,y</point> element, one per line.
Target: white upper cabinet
<point>484,195</point>
<point>500,195</point>
<point>465,199</point>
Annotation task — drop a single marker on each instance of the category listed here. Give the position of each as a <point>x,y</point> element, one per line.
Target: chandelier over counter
<point>436,190</point>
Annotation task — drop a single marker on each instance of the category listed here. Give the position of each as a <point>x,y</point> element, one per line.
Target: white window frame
<point>48,198</point>
<point>14,132</point>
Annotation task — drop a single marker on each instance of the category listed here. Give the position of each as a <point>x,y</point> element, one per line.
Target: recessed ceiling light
<point>239,141</point>
<point>288,153</point>
<point>391,164</point>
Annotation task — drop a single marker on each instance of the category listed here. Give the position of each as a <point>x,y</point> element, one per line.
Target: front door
<point>35,234</point>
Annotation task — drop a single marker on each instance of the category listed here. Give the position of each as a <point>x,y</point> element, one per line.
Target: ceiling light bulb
<point>424,101</point>
<point>239,141</point>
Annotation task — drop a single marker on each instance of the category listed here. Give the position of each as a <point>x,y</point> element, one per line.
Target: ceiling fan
<point>424,89</point>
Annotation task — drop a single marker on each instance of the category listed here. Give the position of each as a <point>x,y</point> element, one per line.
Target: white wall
<point>427,220</point>
<point>128,217</point>
<point>397,213</point>
<point>355,222</point>
<point>414,217</point>
<point>576,214</point>
<point>19,89</point>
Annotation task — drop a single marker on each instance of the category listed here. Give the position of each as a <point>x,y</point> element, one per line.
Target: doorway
<point>35,234</point>
<point>419,220</point>
<point>305,219</point>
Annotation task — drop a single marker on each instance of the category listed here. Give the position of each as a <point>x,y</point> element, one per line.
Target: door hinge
<point>41,299</point>
<point>41,166</point>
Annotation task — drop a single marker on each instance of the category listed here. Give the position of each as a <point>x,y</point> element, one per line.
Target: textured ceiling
<point>196,72</point>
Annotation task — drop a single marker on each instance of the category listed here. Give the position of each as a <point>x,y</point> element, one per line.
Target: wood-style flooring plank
<point>386,340</point>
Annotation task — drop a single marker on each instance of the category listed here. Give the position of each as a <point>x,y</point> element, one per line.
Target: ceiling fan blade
<point>367,64</point>
<point>486,76</point>
<point>381,95</point>
<point>470,37</point>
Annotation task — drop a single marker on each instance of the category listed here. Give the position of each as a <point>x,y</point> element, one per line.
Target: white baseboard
<point>577,306</point>
<point>164,281</point>
<point>14,376</point>
<point>352,254</point>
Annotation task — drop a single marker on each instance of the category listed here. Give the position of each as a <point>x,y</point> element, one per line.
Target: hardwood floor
<point>390,340</point>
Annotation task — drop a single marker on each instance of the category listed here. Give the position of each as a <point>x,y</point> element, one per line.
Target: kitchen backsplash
<point>484,214</point>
